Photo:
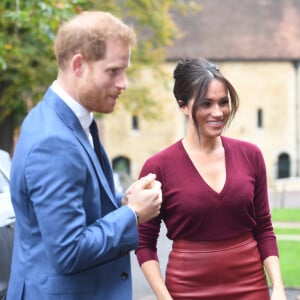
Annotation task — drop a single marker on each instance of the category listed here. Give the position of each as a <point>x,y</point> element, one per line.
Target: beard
<point>92,98</point>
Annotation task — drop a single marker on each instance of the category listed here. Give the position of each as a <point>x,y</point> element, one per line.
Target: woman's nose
<point>217,110</point>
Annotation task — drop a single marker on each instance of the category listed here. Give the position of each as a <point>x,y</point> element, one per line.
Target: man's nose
<point>122,82</point>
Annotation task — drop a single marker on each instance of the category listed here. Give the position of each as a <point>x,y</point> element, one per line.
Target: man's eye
<point>113,71</point>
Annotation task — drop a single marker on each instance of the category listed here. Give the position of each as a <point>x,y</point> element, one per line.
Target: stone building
<point>256,44</point>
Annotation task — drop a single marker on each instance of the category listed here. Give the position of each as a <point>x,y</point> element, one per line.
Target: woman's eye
<point>224,102</point>
<point>206,103</point>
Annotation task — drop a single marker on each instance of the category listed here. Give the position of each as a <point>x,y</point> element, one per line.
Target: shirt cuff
<point>135,213</point>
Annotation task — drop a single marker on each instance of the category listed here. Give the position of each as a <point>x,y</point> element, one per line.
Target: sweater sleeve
<point>263,231</point>
<point>149,231</point>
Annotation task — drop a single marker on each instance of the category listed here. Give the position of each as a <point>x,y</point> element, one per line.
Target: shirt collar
<point>84,116</point>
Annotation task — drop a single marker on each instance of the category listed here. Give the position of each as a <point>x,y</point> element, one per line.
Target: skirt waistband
<point>190,246</point>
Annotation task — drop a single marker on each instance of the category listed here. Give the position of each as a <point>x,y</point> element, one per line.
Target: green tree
<point>27,60</point>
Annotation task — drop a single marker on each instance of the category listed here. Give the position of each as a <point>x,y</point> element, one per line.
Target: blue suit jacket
<point>71,241</point>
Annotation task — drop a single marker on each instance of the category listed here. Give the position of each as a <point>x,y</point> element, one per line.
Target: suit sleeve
<point>58,181</point>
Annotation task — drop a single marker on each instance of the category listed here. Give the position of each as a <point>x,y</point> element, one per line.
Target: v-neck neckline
<point>204,182</point>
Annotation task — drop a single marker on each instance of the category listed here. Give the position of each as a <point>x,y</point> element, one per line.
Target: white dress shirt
<point>84,116</point>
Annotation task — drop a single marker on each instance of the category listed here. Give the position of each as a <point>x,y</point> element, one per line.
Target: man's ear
<point>77,64</point>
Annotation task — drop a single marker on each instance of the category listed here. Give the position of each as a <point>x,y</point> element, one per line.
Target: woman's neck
<point>196,142</point>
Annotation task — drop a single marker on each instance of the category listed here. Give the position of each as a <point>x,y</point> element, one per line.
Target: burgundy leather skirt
<point>227,270</point>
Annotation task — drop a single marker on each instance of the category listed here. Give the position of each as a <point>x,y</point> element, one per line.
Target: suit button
<point>124,275</point>
<point>124,252</point>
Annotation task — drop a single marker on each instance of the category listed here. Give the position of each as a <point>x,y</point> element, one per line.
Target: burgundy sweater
<point>192,210</point>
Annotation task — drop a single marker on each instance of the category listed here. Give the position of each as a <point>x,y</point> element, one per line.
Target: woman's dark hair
<point>191,79</point>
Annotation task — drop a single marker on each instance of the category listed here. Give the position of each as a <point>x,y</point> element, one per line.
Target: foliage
<point>26,54</point>
<point>27,61</point>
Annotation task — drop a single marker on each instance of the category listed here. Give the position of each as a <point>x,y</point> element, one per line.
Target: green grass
<point>286,214</point>
<point>287,231</point>
<point>289,251</point>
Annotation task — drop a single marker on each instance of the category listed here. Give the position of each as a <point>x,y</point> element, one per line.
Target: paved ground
<point>289,237</point>
<point>293,294</point>
<point>285,199</point>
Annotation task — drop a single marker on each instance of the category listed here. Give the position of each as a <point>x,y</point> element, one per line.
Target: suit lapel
<point>105,179</point>
<point>68,117</point>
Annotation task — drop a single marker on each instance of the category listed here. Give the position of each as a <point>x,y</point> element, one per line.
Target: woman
<point>215,202</point>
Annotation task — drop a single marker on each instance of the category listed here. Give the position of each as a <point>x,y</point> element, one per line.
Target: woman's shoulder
<point>163,159</point>
<point>169,151</point>
<point>234,143</point>
<point>242,147</point>
<point>166,155</point>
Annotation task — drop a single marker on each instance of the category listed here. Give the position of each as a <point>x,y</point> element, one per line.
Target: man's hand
<point>145,197</point>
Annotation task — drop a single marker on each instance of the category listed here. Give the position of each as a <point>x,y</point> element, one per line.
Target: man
<point>72,235</point>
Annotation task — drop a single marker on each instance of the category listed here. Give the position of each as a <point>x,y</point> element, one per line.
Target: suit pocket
<point>77,283</point>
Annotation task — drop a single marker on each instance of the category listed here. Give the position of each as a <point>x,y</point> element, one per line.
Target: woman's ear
<point>77,64</point>
<point>183,107</point>
<point>181,103</point>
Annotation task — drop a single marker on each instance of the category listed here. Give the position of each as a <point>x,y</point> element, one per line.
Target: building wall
<point>269,86</point>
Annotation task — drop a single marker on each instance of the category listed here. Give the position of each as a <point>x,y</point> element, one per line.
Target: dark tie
<point>96,142</point>
<point>105,167</point>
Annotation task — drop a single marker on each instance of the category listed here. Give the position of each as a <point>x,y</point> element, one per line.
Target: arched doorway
<point>284,165</point>
<point>121,169</point>
<point>121,164</point>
